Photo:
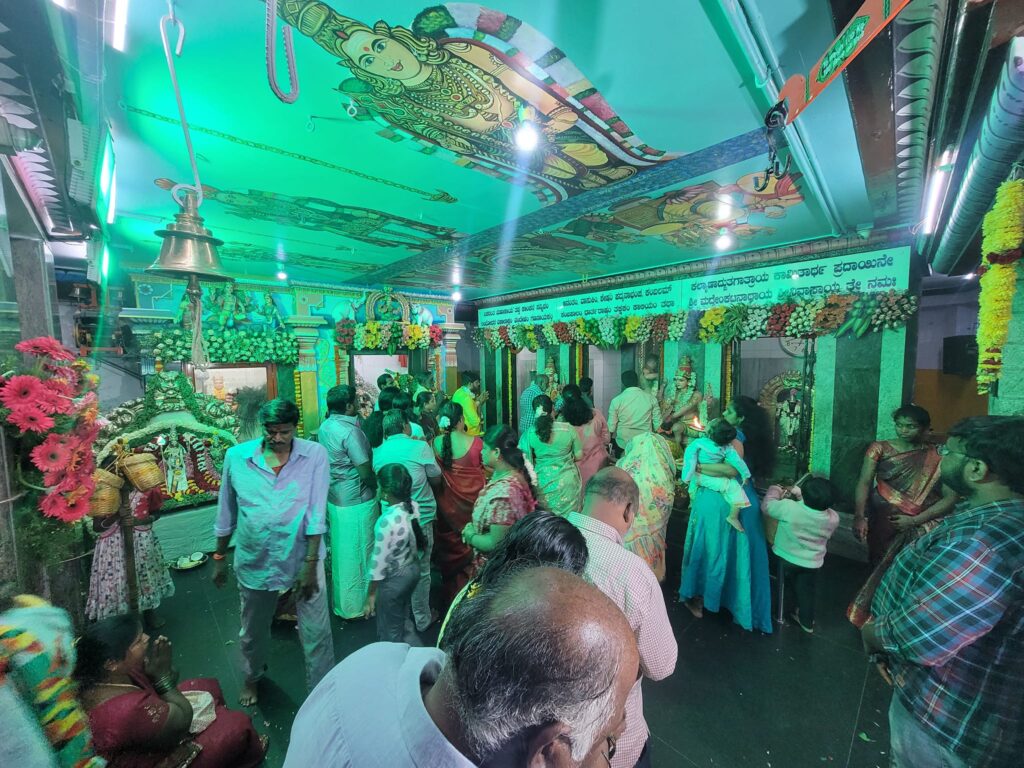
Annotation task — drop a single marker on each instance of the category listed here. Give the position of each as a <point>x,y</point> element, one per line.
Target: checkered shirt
<point>631,585</point>
<point>950,614</point>
<point>527,416</point>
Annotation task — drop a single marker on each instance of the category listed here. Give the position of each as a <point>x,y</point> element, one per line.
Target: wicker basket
<point>106,499</point>
<point>141,470</point>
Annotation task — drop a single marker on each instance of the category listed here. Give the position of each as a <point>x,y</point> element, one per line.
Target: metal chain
<point>289,52</point>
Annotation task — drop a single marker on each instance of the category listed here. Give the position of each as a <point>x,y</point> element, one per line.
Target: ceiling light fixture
<point>120,32</point>
<point>112,200</point>
<point>282,275</point>
<point>527,137</point>
<point>456,295</point>
<point>724,239</point>
<point>724,210</point>
<point>189,249</point>
<point>936,191</point>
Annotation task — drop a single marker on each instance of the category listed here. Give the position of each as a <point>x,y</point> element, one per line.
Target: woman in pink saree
<point>898,497</point>
<point>648,460</point>
<point>591,426</point>
<point>142,718</point>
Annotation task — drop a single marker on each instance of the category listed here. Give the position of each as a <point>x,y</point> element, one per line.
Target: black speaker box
<point>960,355</point>
<point>466,313</point>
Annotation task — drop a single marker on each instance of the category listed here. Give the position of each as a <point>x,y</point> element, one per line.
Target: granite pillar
<point>855,412</point>
<point>35,288</point>
<point>449,376</point>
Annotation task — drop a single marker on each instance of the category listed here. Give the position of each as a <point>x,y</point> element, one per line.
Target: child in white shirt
<point>716,448</point>
<point>806,522</point>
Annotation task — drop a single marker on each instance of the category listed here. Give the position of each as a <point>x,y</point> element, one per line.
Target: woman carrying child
<point>395,563</point>
<point>716,448</point>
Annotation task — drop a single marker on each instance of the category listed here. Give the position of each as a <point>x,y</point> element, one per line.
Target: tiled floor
<point>737,699</point>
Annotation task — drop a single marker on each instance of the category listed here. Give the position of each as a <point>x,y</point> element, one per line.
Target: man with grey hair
<point>534,673</point>
<point>610,504</point>
<point>527,416</point>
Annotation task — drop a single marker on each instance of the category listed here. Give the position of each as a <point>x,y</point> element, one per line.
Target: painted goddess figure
<point>469,98</point>
<point>681,401</point>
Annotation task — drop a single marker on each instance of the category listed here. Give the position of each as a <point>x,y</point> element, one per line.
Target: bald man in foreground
<point>535,673</point>
<point>610,503</point>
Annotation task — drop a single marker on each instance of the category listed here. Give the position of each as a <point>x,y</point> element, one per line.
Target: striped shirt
<point>950,615</point>
<point>631,584</point>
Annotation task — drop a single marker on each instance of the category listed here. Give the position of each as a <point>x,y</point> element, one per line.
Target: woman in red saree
<point>459,455</point>
<point>141,718</point>
<point>899,494</point>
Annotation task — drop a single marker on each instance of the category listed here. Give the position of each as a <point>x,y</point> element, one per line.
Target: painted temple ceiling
<point>398,163</point>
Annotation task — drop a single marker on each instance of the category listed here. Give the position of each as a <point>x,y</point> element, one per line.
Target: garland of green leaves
<point>228,345</point>
<point>833,315</point>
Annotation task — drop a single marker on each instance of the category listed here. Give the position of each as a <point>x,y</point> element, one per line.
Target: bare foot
<point>695,606</point>
<point>250,693</point>
<point>735,523</point>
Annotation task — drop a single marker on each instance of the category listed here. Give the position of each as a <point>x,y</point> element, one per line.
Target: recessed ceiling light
<point>724,240</point>
<point>282,275</point>
<point>456,295</point>
<point>527,137</point>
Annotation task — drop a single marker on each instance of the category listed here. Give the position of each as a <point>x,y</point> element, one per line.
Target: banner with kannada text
<point>872,272</point>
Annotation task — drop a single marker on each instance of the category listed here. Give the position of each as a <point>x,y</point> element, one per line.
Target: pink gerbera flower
<point>30,419</point>
<point>21,391</point>
<point>51,456</point>
<point>66,508</point>
<point>44,346</point>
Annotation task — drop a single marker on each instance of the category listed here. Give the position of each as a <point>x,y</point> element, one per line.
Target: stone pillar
<point>1009,397</point>
<point>449,375</point>
<point>823,404</point>
<point>306,384</point>
<point>35,288</point>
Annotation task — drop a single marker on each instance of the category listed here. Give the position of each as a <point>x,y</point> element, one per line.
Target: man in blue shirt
<point>273,499</point>
<point>527,417</point>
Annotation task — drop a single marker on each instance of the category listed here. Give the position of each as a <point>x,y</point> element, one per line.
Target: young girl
<point>715,448</point>
<point>395,563</point>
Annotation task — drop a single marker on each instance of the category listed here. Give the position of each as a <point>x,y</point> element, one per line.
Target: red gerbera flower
<point>20,391</point>
<point>30,419</point>
<point>44,346</point>
<point>51,456</point>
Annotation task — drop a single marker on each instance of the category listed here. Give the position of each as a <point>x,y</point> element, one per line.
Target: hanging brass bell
<point>189,249</point>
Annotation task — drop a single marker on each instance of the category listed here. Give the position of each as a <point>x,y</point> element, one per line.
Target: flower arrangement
<point>52,410</point>
<point>778,319</point>
<point>709,323</point>
<point>837,314</point>
<point>345,333</point>
<point>436,335</point>
<point>802,321</point>
<point>415,336</point>
<point>755,322</point>
<point>563,332</point>
<point>892,310</point>
<point>506,338</point>
<point>227,345</point>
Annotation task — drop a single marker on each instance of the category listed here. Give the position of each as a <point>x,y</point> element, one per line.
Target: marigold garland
<point>709,323</point>
<point>1003,226</point>
<point>998,286</point>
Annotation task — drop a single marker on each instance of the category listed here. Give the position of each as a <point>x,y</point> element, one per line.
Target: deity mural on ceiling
<point>363,224</point>
<point>250,252</point>
<point>691,216</point>
<point>471,96</point>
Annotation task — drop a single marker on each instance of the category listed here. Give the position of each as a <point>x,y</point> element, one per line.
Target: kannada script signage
<point>863,272</point>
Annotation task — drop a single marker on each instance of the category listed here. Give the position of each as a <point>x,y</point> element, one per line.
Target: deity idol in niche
<point>554,390</point>
<point>468,98</point>
<point>682,399</point>
<point>789,420</point>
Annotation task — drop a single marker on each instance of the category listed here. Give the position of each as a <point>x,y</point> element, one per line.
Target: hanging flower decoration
<point>506,338</point>
<point>677,325</point>
<point>1003,227</point>
<point>998,286</point>
<point>709,323</point>
<point>611,331</point>
<point>732,323</point>
<point>391,336</point>
<point>637,330</point>
<point>51,411</point>
<point>436,335</point>
<point>550,337</point>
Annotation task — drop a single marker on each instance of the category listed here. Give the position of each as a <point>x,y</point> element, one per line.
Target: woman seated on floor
<point>141,718</point>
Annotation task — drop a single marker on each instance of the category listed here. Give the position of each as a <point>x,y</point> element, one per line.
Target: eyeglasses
<point>609,752</point>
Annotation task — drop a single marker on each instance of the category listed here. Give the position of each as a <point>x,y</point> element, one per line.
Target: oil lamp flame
<point>697,425</point>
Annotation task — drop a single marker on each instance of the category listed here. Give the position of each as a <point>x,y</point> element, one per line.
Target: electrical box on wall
<point>960,355</point>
